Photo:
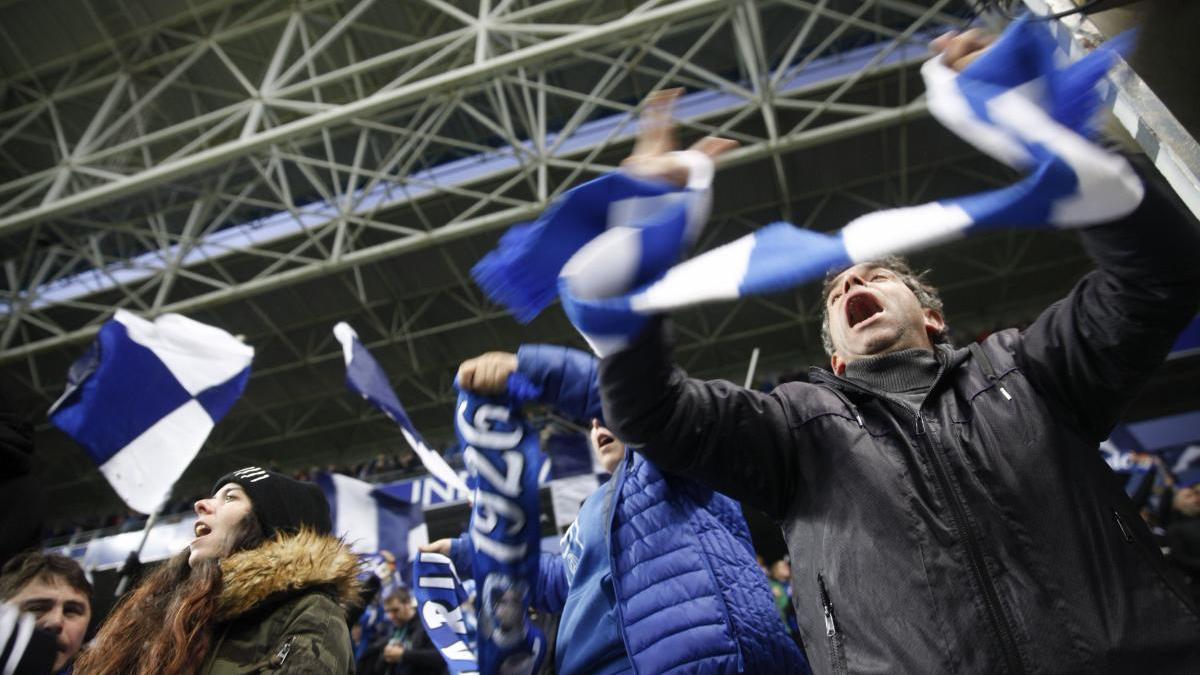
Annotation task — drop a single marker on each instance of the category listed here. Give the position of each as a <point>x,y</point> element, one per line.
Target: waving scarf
<point>612,246</point>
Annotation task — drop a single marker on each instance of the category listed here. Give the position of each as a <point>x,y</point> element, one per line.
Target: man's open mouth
<point>860,307</point>
<point>603,440</point>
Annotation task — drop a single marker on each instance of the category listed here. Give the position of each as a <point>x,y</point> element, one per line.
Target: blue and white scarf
<point>441,604</point>
<point>613,245</point>
<point>503,458</point>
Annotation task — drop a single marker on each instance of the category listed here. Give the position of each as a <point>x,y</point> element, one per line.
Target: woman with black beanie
<point>263,586</point>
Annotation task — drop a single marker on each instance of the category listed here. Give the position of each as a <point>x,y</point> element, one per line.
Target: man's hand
<point>656,139</point>
<point>487,374</point>
<point>440,546</point>
<point>393,653</point>
<point>959,50</point>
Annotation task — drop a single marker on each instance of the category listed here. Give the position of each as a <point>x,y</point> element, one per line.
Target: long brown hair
<point>165,625</point>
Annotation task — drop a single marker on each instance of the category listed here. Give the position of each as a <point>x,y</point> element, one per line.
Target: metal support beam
<point>1140,112</point>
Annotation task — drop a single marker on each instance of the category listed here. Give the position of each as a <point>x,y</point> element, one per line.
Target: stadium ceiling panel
<point>273,167</point>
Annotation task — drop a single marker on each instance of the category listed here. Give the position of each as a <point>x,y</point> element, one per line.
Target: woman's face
<point>217,525</point>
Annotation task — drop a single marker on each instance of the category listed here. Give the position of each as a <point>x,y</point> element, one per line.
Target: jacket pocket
<point>1156,572</point>
<point>833,636</point>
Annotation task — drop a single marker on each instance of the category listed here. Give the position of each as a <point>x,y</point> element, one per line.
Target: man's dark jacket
<point>422,658</point>
<point>983,533</point>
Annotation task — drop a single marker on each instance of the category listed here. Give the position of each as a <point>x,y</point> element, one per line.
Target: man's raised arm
<point>1094,349</point>
<point>735,440</point>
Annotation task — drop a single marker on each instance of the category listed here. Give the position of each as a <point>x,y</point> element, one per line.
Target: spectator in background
<point>25,649</point>
<point>1183,532</point>
<point>55,591</point>
<point>402,646</point>
<point>780,578</point>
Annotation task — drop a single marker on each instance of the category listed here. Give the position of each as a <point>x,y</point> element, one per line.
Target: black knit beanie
<point>281,504</point>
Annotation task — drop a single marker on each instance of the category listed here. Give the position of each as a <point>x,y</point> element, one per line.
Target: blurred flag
<point>366,377</point>
<point>145,396</point>
<point>371,520</point>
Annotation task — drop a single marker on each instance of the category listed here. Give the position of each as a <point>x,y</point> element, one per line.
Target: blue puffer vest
<point>690,595</point>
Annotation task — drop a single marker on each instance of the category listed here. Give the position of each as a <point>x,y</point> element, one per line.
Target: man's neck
<point>903,372</point>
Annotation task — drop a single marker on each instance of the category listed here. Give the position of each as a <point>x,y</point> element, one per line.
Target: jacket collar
<point>949,358</point>
<point>287,565</point>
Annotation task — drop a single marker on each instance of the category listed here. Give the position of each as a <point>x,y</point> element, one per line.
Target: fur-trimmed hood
<point>285,565</point>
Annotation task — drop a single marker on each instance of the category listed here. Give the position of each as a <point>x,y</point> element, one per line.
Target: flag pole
<point>753,367</point>
<point>134,558</point>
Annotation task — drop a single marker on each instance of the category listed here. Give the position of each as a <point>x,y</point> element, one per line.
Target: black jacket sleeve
<point>423,657</point>
<point>734,440</point>
<point>1093,350</point>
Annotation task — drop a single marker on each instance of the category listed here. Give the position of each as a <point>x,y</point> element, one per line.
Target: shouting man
<point>946,510</point>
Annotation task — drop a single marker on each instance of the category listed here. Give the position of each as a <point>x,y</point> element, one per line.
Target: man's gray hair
<point>926,294</point>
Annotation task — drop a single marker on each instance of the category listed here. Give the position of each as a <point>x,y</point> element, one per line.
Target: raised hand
<point>651,158</point>
<point>487,373</point>
<point>440,546</point>
<point>959,50</point>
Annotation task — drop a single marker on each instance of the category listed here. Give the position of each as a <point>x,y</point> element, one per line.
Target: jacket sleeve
<point>567,377</point>
<point>423,657</point>
<point>319,640</point>
<point>1093,350</point>
<point>550,588</point>
<point>550,591</point>
<point>732,439</point>
<point>462,554</point>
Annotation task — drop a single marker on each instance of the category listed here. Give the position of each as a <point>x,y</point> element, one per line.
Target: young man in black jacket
<point>946,510</point>
<point>404,648</point>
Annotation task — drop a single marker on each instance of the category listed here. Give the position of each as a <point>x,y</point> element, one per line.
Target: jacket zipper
<point>1123,527</point>
<point>974,551</point>
<point>837,647</point>
<point>282,654</point>
<point>958,512</point>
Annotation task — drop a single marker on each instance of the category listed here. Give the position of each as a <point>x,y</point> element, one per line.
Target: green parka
<point>283,608</point>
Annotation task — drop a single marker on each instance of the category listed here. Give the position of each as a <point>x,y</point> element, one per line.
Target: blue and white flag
<point>619,241</point>
<point>366,377</point>
<point>442,606</point>
<point>503,458</point>
<point>145,396</point>
<point>371,520</point>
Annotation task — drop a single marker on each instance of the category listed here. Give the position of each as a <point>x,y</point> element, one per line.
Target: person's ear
<point>838,365</point>
<point>934,323</point>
